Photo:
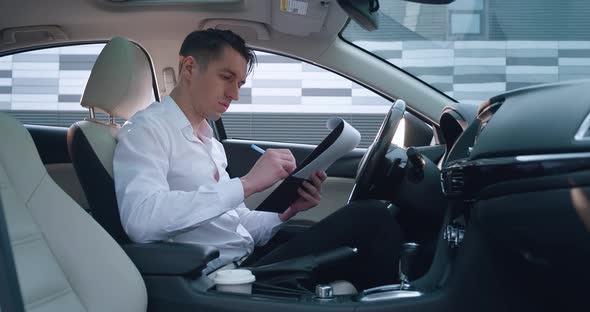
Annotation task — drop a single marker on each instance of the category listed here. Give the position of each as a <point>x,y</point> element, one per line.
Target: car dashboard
<point>520,170</point>
<point>533,132</point>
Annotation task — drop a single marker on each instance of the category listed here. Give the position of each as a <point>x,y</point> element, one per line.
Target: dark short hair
<point>206,45</point>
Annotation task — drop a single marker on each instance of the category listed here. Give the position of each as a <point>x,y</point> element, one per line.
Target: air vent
<point>453,181</point>
<point>583,133</point>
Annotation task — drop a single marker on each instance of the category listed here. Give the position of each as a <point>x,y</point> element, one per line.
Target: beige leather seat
<point>120,84</point>
<point>65,261</point>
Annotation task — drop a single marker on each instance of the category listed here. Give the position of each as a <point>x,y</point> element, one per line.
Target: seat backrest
<point>120,84</point>
<point>64,260</point>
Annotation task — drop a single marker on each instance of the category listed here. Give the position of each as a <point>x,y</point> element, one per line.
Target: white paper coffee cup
<point>237,281</point>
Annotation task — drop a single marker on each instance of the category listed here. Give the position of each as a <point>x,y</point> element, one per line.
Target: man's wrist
<point>247,187</point>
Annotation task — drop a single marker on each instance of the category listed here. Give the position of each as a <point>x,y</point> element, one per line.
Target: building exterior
<point>474,49</point>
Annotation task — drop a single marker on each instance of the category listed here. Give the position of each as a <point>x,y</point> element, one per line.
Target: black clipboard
<point>286,193</point>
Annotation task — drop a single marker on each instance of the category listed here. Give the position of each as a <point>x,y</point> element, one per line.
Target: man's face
<point>213,88</point>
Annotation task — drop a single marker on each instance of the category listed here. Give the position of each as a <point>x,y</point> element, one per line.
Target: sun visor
<point>299,17</point>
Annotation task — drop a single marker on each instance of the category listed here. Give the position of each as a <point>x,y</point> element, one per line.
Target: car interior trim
<point>582,133</point>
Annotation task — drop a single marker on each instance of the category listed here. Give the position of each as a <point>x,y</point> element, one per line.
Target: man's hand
<point>310,196</point>
<point>272,166</point>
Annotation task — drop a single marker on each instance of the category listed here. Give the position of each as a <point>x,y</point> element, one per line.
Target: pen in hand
<point>257,148</point>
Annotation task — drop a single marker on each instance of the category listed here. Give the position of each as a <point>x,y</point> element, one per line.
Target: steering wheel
<point>374,158</point>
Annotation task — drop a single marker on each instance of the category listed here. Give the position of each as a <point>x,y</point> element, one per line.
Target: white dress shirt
<point>172,185</point>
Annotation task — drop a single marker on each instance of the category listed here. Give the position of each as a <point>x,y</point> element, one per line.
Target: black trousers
<point>366,225</point>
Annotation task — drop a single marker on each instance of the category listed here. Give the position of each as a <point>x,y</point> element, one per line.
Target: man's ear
<point>187,65</point>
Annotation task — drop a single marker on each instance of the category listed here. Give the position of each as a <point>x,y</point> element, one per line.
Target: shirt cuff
<point>277,220</point>
<point>269,219</point>
<point>233,193</point>
<point>275,224</point>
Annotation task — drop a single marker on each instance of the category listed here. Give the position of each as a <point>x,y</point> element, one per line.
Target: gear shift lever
<point>406,263</point>
<point>407,270</point>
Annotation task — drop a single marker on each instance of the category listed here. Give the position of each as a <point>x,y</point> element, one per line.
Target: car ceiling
<point>83,20</point>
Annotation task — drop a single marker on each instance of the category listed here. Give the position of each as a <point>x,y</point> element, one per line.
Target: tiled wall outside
<point>471,71</point>
<point>47,80</point>
<point>292,85</point>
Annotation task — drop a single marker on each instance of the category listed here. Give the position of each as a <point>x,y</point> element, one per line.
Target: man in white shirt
<point>170,175</point>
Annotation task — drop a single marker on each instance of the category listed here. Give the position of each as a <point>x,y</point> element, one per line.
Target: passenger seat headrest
<point>120,82</point>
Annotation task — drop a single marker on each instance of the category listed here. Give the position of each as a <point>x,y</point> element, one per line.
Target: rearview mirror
<point>364,12</point>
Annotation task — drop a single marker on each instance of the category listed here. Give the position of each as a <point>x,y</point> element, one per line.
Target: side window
<point>286,100</point>
<point>44,87</point>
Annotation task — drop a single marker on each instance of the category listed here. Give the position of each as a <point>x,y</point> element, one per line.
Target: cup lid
<point>234,277</point>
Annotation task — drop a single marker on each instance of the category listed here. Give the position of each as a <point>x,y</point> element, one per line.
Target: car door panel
<point>335,193</point>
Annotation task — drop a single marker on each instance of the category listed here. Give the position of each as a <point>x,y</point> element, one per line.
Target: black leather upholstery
<point>97,184</point>
<point>170,258</point>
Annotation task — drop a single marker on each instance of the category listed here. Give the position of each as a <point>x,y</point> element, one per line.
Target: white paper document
<point>342,139</point>
<point>347,140</point>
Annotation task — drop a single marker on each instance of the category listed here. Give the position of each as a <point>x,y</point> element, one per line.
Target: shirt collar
<point>181,121</point>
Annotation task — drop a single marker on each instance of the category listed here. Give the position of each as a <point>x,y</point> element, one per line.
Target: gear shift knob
<point>407,261</point>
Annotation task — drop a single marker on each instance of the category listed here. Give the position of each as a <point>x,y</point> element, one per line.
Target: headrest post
<point>91,111</point>
<point>112,120</point>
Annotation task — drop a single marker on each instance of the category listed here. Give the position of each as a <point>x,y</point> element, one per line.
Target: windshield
<point>474,49</point>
